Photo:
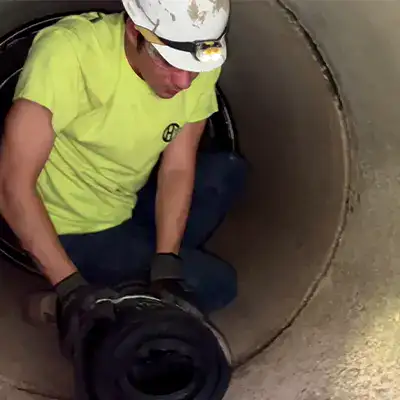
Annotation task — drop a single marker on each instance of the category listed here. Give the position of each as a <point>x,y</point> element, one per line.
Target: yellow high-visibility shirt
<point>110,128</point>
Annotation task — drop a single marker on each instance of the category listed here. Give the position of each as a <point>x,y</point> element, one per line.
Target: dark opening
<point>162,372</point>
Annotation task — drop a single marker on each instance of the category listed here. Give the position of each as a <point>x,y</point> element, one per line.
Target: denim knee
<point>228,288</point>
<point>221,172</point>
<point>212,280</point>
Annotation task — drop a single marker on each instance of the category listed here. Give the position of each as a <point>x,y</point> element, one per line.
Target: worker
<point>100,174</point>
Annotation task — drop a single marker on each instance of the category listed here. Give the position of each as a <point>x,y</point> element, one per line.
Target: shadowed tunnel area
<point>280,236</point>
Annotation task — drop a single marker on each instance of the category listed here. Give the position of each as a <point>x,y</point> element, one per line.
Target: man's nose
<point>182,79</point>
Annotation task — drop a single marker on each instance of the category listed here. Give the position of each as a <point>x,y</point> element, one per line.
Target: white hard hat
<point>189,34</point>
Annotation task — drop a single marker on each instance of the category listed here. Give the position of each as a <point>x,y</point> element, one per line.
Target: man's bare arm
<point>28,140</point>
<point>175,187</point>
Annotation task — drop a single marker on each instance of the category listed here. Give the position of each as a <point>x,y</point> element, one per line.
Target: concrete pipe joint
<point>314,239</point>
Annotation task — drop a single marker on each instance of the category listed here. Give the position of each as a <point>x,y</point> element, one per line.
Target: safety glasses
<point>202,50</point>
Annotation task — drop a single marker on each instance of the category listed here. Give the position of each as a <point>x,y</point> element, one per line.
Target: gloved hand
<point>168,284</point>
<point>166,266</point>
<point>76,300</point>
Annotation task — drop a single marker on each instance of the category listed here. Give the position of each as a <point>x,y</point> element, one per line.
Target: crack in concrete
<point>9,389</point>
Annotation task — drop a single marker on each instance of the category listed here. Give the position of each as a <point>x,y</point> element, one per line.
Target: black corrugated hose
<point>149,349</point>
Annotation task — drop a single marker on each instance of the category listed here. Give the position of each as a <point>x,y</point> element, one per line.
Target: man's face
<point>165,80</point>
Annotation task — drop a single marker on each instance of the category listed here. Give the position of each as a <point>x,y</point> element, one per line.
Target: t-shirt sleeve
<point>50,76</point>
<point>207,103</point>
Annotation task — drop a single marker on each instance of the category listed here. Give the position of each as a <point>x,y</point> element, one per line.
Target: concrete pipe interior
<point>280,236</point>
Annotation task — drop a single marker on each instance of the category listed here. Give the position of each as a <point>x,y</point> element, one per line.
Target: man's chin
<point>167,94</point>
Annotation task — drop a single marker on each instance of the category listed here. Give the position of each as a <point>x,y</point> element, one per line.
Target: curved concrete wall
<point>282,235</point>
<point>345,343</point>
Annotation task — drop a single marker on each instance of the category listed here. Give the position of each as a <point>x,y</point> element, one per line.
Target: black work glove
<point>78,303</point>
<point>166,266</point>
<point>167,282</point>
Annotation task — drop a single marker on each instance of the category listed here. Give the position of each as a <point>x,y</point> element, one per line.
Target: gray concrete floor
<point>8,392</point>
<point>30,358</point>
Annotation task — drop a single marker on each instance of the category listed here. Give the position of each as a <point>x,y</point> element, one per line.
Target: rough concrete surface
<point>345,344</point>
<point>29,358</point>
<point>9,392</point>
<point>275,237</point>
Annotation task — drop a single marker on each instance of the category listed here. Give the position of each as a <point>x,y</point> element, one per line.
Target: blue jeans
<point>123,253</point>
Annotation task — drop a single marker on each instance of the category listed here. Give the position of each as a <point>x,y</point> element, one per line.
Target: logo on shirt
<point>170,132</point>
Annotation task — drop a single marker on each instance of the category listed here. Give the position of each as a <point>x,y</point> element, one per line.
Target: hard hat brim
<point>187,62</point>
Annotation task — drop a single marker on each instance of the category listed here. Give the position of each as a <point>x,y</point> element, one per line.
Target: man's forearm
<point>24,211</point>
<point>174,195</point>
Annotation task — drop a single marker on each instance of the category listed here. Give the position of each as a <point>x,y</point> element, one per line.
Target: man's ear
<point>131,31</point>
